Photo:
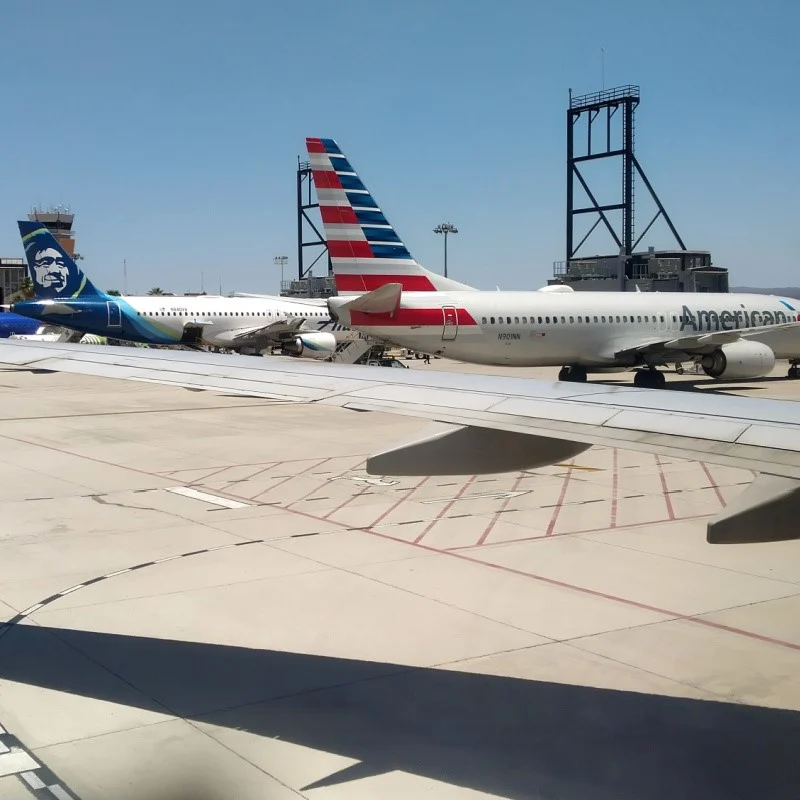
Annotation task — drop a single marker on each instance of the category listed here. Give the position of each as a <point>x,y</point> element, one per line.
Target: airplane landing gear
<point>575,374</point>
<point>649,379</point>
<point>794,371</point>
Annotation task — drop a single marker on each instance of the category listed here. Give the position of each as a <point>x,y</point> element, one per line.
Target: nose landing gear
<point>794,370</point>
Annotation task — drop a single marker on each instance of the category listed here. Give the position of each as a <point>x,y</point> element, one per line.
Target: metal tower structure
<point>308,234</point>
<point>589,107</point>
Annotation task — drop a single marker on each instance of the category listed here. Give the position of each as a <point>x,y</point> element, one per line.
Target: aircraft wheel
<point>649,379</point>
<point>794,372</point>
<point>573,374</point>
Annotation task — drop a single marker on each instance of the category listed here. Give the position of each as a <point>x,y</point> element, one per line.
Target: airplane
<point>65,296</point>
<point>386,294</point>
<point>487,424</point>
<point>17,325</point>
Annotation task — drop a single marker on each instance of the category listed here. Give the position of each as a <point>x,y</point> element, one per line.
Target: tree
<point>114,293</point>
<point>156,290</point>
<point>26,290</point>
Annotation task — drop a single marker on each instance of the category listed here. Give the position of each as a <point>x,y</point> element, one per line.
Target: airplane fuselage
<point>591,329</point>
<point>163,320</point>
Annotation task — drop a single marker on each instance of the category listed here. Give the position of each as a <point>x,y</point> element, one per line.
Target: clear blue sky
<point>172,128</point>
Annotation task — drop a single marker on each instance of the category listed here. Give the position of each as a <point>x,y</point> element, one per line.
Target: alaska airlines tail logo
<point>52,270</point>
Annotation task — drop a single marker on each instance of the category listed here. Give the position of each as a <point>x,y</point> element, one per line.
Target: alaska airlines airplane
<point>65,296</point>
<point>732,336</point>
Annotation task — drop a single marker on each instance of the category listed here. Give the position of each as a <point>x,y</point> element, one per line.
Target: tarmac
<point>208,597</point>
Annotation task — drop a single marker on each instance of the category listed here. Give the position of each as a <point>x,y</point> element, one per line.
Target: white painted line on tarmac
<point>14,762</point>
<point>214,499</point>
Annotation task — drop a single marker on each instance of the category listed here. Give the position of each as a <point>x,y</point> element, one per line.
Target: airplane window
<point>508,319</point>
<point>483,320</point>
<point>580,319</point>
<point>524,320</point>
<point>492,318</point>
<point>516,320</point>
<point>572,319</point>
<point>674,318</point>
<point>540,320</point>
<point>595,319</point>
<point>638,319</point>
<point>624,318</point>
<point>617,317</point>
<point>646,318</point>
<point>547,320</point>
<point>661,317</point>
<point>603,319</point>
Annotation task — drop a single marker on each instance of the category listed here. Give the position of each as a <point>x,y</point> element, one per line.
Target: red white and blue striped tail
<point>365,250</point>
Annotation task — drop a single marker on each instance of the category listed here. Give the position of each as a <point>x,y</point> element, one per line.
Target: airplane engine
<point>742,359</point>
<point>310,345</point>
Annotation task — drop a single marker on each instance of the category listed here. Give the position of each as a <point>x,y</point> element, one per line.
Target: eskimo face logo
<point>49,269</point>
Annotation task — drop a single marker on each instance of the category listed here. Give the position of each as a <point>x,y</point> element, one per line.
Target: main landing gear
<point>794,370</point>
<point>575,374</point>
<point>649,378</point>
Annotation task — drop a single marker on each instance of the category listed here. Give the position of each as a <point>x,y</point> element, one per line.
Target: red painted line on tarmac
<point>713,484</point>
<point>614,487</point>
<point>292,477</point>
<point>667,500</point>
<point>447,507</point>
<point>350,499</point>
<point>254,475</point>
<point>503,507</point>
<point>400,501</point>
<point>564,585</point>
<point>579,533</point>
<point>554,519</point>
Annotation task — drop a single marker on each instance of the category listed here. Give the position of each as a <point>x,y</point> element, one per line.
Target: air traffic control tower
<point>601,133</point>
<point>58,221</point>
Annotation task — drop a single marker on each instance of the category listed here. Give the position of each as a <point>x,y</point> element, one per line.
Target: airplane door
<point>114,315</point>
<point>450,327</point>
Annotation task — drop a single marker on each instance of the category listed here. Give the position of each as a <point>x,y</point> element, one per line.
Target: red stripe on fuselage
<point>338,215</point>
<point>314,145</point>
<point>345,282</point>
<point>408,317</point>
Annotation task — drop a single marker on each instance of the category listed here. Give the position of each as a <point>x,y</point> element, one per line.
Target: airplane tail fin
<point>54,273</point>
<point>365,250</point>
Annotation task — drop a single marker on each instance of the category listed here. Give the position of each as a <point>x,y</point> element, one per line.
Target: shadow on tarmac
<point>506,736</point>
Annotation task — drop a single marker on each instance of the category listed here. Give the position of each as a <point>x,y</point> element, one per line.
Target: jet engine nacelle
<point>310,345</point>
<point>742,359</point>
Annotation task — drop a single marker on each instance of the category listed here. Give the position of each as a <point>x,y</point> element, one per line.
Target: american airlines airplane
<point>65,296</point>
<point>487,424</point>
<point>732,336</point>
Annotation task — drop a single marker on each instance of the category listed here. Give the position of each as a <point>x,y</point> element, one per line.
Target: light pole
<point>445,228</point>
<point>280,261</point>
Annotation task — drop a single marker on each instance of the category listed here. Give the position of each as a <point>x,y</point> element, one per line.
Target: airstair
<point>353,350</point>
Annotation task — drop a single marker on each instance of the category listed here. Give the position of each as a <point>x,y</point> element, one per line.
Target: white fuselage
<point>593,329</point>
<point>222,319</point>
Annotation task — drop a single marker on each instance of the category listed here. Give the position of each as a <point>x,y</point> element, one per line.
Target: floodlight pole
<point>445,228</point>
<point>280,261</point>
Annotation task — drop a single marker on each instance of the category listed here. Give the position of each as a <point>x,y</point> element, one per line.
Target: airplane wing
<point>274,332</point>
<point>699,341</point>
<point>498,424</point>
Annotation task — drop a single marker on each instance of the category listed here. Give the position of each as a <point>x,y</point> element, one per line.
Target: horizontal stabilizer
<point>383,300</point>
<point>469,450</point>
<point>767,511</point>
<point>59,308</point>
